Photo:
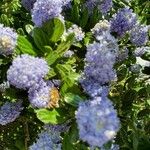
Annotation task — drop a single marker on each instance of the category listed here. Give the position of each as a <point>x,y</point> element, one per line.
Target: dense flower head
<point>99,62</point>
<point>100,27</point>
<point>79,35</point>
<point>123,21</point>
<point>101,74</point>
<point>8,40</point>
<point>26,71</point>
<point>99,53</point>
<point>47,140</point>
<point>139,35</point>
<point>103,5</point>
<point>93,88</point>
<point>28,4</point>
<point>39,95</point>
<point>9,112</point>
<point>141,51</point>
<point>97,121</point>
<point>45,10</point>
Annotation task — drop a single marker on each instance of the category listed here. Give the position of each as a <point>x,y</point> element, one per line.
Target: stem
<point>27,137</point>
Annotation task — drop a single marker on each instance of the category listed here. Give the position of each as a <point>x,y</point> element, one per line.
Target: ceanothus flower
<point>45,10</point>
<point>100,27</point>
<point>99,61</point>
<point>141,51</point>
<point>40,95</point>
<point>79,35</point>
<point>93,88</point>
<point>47,140</point>
<point>103,73</point>
<point>9,112</point>
<point>26,71</point>
<point>139,35</point>
<point>8,40</point>
<point>97,121</point>
<point>103,5</point>
<point>28,4</point>
<point>123,21</point>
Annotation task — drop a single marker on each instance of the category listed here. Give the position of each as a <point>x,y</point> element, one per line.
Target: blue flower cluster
<point>93,88</point>
<point>103,5</point>
<point>79,35</point>
<point>47,140</point>
<point>101,27</point>
<point>26,71</point>
<point>139,35</point>
<point>9,112</point>
<point>46,10</point>
<point>39,95</point>
<point>97,121</point>
<point>28,4</point>
<point>8,40</point>
<point>123,21</point>
<point>141,51</point>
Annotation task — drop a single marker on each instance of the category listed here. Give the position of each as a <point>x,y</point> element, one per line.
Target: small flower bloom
<point>141,51</point>
<point>8,40</point>
<point>26,71</point>
<point>97,121</point>
<point>103,5</point>
<point>28,4</point>
<point>79,35</point>
<point>47,140</point>
<point>123,21</point>
<point>139,35</point>
<point>45,10</point>
<point>100,27</point>
<point>40,95</point>
<point>9,112</point>
<point>93,88</point>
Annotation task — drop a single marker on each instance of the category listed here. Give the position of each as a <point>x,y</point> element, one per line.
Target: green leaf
<point>70,138</point>
<point>61,49</point>
<point>64,46</point>
<point>51,57</point>
<point>54,116</point>
<point>25,47</point>
<point>72,99</point>
<point>121,72</point>
<point>128,98</point>
<point>54,29</point>
<point>84,17</point>
<point>40,38</point>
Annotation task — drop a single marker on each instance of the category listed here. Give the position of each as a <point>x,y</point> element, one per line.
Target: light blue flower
<point>97,121</point>
<point>9,112</point>
<point>26,71</point>
<point>8,40</point>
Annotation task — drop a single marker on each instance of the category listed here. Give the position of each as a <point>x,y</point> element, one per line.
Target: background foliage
<point>130,94</point>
